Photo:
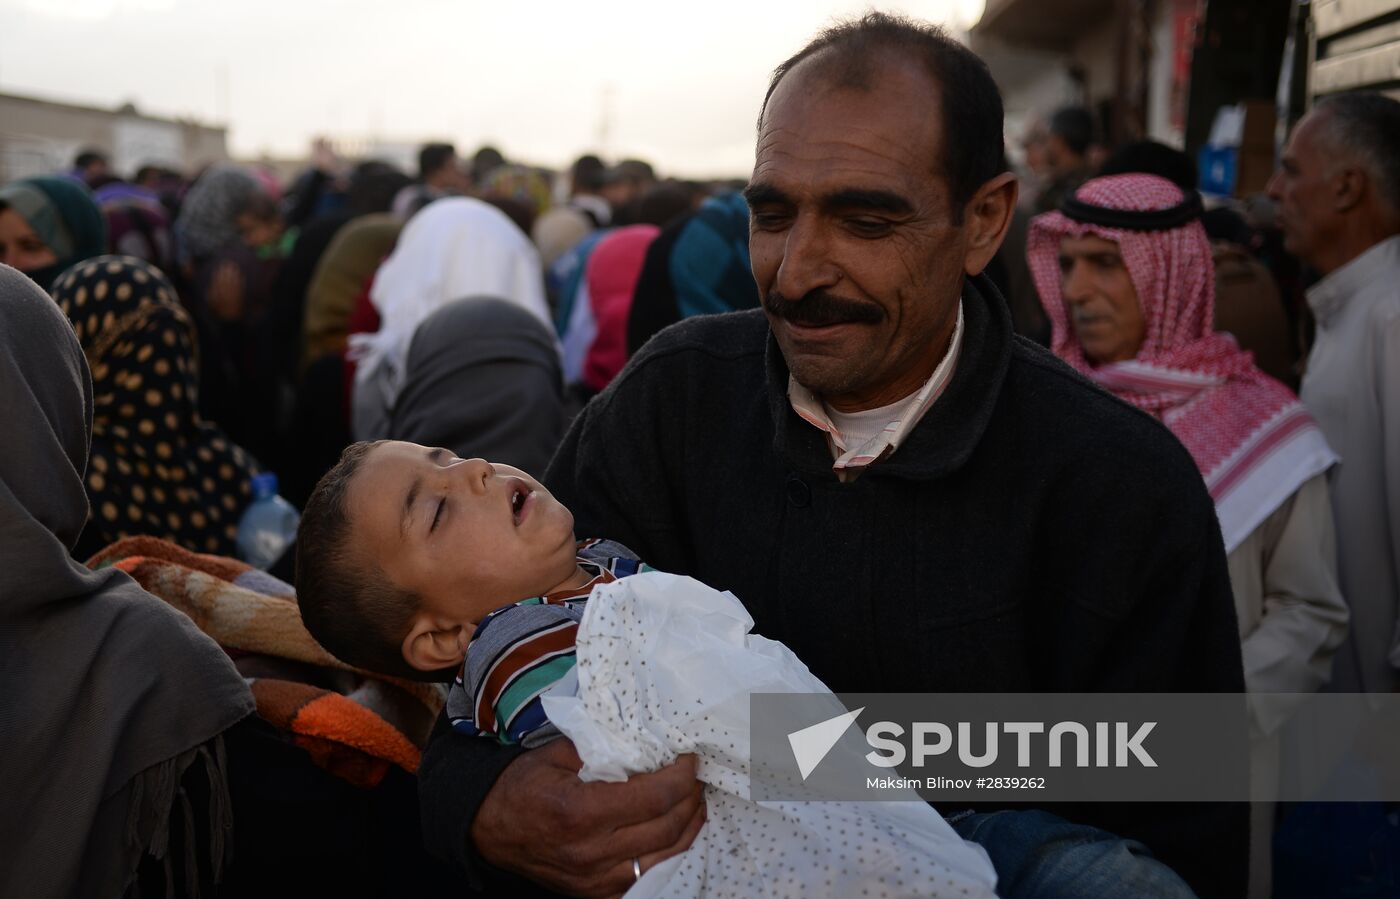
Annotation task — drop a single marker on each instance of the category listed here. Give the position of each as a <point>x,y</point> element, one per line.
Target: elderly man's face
<point>852,235</point>
<point>1303,190</point>
<point>1101,300</point>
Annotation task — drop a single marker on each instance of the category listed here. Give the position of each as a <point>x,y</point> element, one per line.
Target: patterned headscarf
<point>157,468</point>
<point>519,183</point>
<point>208,220</point>
<point>1248,434</point>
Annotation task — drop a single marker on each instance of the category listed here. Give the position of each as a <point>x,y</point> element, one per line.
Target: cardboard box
<point>1258,131</point>
<point>1253,170</point>
<point>1240,158</point>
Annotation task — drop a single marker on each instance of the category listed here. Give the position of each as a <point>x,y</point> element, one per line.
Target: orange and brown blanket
<point>353,723</point>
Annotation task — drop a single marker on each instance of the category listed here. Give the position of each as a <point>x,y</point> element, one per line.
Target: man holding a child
<point>898,488</point>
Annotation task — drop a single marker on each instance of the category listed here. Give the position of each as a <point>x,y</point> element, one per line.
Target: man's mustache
<point>818,308</point>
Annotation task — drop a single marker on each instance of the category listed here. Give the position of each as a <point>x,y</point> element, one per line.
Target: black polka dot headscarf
<point>156,467</point>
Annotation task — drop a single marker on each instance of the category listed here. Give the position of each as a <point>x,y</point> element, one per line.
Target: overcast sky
<point>537,80</point>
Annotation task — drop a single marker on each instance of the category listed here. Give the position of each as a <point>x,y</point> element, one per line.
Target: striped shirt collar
<point>905,414</point>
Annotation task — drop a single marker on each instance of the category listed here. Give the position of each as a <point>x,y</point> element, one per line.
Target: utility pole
<point>606,96</point>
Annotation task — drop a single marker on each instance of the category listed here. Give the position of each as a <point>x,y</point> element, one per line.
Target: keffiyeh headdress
<point>1251,438</point>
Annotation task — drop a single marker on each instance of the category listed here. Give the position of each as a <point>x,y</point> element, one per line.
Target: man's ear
<point>1349,188</point>
<point>986,219</point>
<point>433,644</point>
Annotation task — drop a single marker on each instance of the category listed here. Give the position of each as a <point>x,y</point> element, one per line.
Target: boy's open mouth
<point>520,497</point>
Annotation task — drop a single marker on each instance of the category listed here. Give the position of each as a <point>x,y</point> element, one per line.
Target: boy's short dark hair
<point>346,603</point>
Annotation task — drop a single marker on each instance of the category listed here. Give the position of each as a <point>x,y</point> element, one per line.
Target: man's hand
<point>542,822</point>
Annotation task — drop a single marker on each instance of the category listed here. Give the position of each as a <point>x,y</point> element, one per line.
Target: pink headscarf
<point>612,273</point>
<point>1252,440</point>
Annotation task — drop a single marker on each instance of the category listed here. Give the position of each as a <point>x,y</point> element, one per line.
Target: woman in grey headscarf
<point>113,701</point>
<point>225,207</point>
<point>482,379</point>
<point>230,240</point>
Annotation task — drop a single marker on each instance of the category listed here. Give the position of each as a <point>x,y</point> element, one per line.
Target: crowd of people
<point>1077,431</point>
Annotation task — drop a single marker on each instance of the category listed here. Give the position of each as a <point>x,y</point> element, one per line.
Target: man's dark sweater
<point>1032,534</point>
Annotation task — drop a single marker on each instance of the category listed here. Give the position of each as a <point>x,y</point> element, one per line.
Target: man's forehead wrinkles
<point>773,157</point>
<point>869,153</point>
<point>848,154</point>
<point>769,135</point>
<point>810,161</point>
<point>849,137</point>
<point>843,182</point>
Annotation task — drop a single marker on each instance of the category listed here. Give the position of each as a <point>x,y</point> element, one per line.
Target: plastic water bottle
<point>269,525</point>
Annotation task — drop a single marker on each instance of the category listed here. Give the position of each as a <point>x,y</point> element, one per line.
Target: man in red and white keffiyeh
<point>1139,234</point>
<point>1125,274</point>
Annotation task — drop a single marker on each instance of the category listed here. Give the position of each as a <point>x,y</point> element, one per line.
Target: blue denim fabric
<point>1349,849</point>
<point>1038,855</point>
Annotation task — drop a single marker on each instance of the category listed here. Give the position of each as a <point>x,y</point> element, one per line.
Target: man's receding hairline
<point>875,69</point>
<point>831,70</point>
<point>1327,128</point>
<point>1322,122</point>
<point>866,50</point>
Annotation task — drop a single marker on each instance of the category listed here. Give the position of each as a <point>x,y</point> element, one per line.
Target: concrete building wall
<point>136,141</point>
<point>1356,46</point>
<point>203,146</point>
<point>41,137</point>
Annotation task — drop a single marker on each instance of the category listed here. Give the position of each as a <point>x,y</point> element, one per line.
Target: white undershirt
<point>857,439</point>
<point>859,428</point>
